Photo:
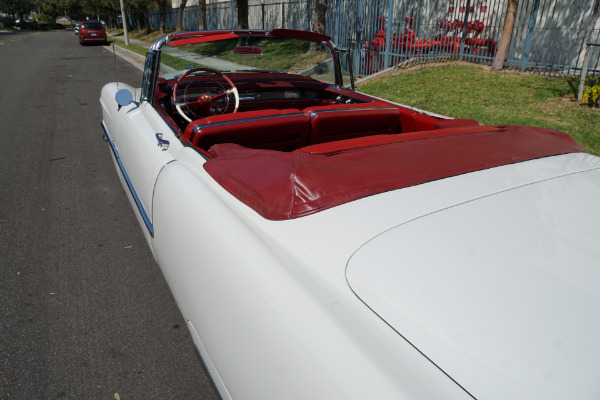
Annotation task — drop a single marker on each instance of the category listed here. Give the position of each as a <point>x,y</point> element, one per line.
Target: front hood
<point>502,292</point>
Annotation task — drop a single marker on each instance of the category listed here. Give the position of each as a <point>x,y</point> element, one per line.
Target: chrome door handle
<point>164,144</point>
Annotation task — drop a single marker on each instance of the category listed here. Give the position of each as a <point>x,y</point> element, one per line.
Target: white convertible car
<point>325,244</point>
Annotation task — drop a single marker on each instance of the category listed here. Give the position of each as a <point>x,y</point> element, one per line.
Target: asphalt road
<point>84,310</point>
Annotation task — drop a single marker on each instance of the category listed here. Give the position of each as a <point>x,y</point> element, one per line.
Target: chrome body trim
<point>197,128</point>
<point>316,112</point>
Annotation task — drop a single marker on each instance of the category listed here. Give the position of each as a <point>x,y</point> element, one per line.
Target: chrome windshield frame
<point>153,56</point>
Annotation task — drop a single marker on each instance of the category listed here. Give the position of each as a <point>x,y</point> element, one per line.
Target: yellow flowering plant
<point>591,96</point>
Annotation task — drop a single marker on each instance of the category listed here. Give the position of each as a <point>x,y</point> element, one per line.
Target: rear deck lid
<point>501,292</point>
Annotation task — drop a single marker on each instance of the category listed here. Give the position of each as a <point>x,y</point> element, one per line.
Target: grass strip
<point>504,98</point>
<point>131,47</point>
<point>167,59</point>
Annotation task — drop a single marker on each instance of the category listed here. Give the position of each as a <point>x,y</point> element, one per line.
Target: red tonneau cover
<point>280,185</point>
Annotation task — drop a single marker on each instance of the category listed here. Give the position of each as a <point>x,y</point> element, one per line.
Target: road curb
<point>134,58</point>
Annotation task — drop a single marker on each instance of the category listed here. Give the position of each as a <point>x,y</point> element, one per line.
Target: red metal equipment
<point>407,46</point>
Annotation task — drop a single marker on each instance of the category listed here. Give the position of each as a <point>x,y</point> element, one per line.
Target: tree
<point>147,20</point>
<point>506,33</point>
<point>318,12</point>
<point>137,16</point>
<point>162,8</point>
<point>74,9</point>
<point>80,9</point>
<point>587,50</point>
<point>18,8</point>
<point>179,18</point>
<point>202,25</point>
<point>140,11</point>
<point>242,9</point>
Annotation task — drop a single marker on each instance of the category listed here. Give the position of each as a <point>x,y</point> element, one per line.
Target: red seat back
<point>283,130</point>
<point>346,121</point>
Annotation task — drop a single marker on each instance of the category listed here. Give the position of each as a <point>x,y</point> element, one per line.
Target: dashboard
<point>257,91</point>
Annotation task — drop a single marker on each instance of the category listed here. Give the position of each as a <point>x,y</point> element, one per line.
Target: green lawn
<point>505,98</point>
<point>132,47</point>
<point>288,56</point>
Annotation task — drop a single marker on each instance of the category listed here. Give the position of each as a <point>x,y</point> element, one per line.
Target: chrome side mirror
<point>123,97</point>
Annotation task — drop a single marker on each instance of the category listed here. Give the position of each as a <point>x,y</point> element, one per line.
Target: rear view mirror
<point>248,50</point>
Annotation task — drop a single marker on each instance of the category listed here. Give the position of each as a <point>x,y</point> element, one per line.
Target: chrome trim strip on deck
<point>316,112</point>
<point>236,121</point>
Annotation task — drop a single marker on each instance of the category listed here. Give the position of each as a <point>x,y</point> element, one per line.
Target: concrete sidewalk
<point>210,62</point>
<point>134,58</point>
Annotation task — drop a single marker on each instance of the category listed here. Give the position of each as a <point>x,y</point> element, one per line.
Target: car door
<point>141,148</point>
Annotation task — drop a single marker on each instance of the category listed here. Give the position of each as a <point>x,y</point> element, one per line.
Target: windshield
<point>251,54</point>
<point>92,25</point>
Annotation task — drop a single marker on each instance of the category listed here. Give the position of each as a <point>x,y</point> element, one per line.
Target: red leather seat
<point>346,121</point>
<point>283,130</point>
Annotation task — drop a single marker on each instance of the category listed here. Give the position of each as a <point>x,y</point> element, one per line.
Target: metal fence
<point>549,36</point>
<point>223,15</point>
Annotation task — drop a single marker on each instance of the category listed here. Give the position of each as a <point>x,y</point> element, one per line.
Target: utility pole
<point>124,24</point>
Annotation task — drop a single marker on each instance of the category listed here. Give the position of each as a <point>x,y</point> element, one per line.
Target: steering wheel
<point>205,101</point>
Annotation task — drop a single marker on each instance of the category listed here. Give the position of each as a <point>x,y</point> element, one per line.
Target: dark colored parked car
<point>92,32</point>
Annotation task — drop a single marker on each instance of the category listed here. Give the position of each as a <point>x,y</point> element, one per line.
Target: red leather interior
<point>406,120</point>
<point>331,148</point>
<point>320,129</point>
<point>413,121</point>
<point>284,185</point>
<point>341,145</point>
<point>283,130</point>
<point>422,122</point>
<point>449,123</point>
<point>344,121</point>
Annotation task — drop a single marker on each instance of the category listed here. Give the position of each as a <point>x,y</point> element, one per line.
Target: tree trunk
<point>505,38</point>
<point>587,51</point>
<point>147,21</point>
<point>162,8</point>
<point>138,20</point>
<point>180,15</point>
<point>202,25</point>
<point>242,8</point>
<point>318,14</point>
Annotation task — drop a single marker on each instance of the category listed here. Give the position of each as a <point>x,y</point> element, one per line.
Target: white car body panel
<point>293,331</point>
<point>133,139</point>
<point>423,292</point>
<point>487,295</point>
<point>314,259</point>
